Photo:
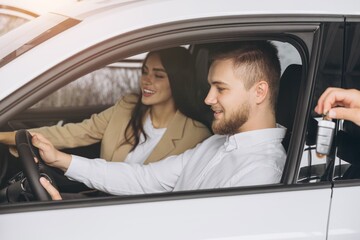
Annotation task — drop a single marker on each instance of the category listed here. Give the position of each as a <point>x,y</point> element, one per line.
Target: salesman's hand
<point>340,103</point>
<point>53,192</point>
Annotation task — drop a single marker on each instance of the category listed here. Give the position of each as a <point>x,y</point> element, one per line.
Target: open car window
<point>100,89</point>
<point>104,86</point>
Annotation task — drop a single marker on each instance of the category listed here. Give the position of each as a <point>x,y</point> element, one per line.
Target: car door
<point>293,209</point>
<point>346,174</point>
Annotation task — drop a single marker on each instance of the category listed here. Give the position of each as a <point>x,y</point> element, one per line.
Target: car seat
<point>287,99</point>
<point>202,65</point>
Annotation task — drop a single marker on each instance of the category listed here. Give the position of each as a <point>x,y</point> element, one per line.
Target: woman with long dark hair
<point>157,123</point>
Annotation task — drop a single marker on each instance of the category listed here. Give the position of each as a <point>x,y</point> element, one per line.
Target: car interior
<point>293,75</point>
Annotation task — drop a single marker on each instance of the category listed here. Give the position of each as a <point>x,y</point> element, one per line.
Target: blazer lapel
<point>168,142</point>
<point>119,122</point>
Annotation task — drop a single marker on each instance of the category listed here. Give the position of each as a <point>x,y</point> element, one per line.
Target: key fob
<point>325,135</point>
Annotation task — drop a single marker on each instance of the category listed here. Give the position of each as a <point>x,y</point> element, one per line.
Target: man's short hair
<point>259,59</point>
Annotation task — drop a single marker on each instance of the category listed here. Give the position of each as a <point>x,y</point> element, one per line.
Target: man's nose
<point>210,98</point>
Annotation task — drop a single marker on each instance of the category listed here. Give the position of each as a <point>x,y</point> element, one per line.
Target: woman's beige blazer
<point>108,127</point>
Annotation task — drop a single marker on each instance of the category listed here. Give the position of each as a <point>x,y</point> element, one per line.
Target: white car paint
<point>288,213</point>
<point>82,35</point>
<point>27,8</point>
<point>216,218</point>
<point>344,216</point>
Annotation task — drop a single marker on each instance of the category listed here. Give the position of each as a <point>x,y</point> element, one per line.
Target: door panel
<point>344,217</point>
<point>345,208</point>
<point>279,215</point>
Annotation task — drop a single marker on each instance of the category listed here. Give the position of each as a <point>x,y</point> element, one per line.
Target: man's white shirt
<point>249,158</point>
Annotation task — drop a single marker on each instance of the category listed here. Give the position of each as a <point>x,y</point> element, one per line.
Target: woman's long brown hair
<point>179,66</point>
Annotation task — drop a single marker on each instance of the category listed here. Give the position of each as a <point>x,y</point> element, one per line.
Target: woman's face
<point>155,86</point>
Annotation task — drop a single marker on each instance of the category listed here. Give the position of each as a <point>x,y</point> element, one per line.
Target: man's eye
<point>220,89</point>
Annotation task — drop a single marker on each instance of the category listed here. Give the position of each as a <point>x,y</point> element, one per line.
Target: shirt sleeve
<point>121,178</point>
<point>261,175</point>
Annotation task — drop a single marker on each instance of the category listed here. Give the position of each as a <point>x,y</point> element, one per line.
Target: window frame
<point>304,35</point>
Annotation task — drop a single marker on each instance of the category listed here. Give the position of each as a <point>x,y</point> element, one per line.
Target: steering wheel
<point>31,170</point>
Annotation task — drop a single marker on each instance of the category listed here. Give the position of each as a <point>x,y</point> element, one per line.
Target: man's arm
<point>115,177</point>
<point>121,178</point>
<point>262,175</point>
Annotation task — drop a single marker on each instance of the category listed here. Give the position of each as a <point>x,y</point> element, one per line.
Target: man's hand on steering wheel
<point>52,157</point>
<point>53,192</point>
<point>36,180</point>
<point>49,153</point>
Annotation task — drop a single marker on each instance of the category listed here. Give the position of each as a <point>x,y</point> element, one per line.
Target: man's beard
<point>232,124</point>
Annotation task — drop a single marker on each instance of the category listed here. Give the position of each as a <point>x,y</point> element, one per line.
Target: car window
<point>314,167</point>
<point>347,146</point>
<point>101,87</point>
<point>108,84</point>
<point>287,54</point>
<point>104,86</point>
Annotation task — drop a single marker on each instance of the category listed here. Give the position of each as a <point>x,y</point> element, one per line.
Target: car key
<point>325,135</point>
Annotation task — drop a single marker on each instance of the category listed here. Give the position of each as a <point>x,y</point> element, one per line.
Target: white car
<point>318,41</point>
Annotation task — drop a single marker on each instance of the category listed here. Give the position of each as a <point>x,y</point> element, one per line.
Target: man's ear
<point>261,91</point>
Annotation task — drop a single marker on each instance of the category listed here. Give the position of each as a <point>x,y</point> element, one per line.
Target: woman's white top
<point>144,148</point>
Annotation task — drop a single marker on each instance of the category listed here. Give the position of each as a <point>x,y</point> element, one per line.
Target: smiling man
<point>245,150</point>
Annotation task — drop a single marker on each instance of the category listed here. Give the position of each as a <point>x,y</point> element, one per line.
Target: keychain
<point>324,136</point>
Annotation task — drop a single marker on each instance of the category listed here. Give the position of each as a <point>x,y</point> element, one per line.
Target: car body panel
<point>289,210</point>
<point>345,210</point>
<point>14,13</point>
<point>18,14</point>
<point>30,9</point>
<point>227,217</point>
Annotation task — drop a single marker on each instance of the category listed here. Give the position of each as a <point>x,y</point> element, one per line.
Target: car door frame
<point>273,203</point>
<point>346,193</point>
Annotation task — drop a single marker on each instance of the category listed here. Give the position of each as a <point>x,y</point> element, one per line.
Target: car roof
<point>87,8</point>
<point>87,23</point>
<point>32,8</point>
<point>108,12</point>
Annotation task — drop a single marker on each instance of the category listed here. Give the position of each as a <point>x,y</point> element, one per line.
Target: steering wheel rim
<point>31,169</point>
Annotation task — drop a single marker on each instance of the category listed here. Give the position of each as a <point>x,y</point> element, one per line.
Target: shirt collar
<point>251,138</point>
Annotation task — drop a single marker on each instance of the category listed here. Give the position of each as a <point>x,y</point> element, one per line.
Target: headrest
<point>287,99</point>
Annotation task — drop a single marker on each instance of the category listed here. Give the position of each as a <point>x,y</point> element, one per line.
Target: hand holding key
<point>338,103</point>
<point>325,135</point>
